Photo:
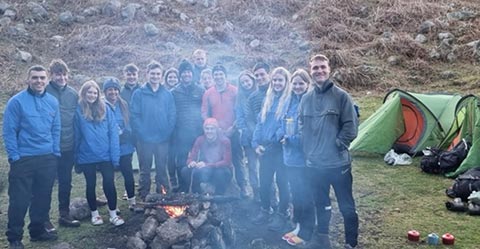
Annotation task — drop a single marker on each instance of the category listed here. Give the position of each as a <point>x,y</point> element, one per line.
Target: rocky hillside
<point>374,44</point>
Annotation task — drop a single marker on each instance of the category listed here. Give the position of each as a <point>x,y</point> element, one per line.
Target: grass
<point>391,200</point>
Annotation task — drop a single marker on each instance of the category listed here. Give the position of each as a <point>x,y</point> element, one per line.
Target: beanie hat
<point>184,66</point>
<point>210,121</point>
<point>111,82</point>
<point>219,67</point>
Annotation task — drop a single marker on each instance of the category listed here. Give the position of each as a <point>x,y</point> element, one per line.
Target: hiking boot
<point>46,236</point>
<point>68,221</point>
<point>16,245</point>
<point>263,217</point>
<point>49,227</point>
<point>278,222</point>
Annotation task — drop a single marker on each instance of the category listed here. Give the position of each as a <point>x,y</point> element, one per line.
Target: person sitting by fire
<point>210,160</point>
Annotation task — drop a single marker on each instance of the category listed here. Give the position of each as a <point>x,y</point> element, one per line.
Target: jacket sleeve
<point>193,154</point>
<point>114,138</point>
<point>56,130</point>
<point>226,157</point>
<point>348,123</point>
<point>205,109</point>
<point>257,134</point>
<point>11,126</point>
<point>77,133</point>
<point>135,113</point>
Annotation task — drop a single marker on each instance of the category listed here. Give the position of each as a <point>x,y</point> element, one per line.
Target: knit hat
<point>210,121</point>
<point>219,67</point>
<point>184,66</point>
<point>111,82</point>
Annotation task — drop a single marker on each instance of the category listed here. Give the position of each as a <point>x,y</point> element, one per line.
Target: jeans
<point>341,180</point>
<point>30,183</point>
<point>127,172</point>
<point>147,152</point>
<point>220,177</point>
<point>90,173</point>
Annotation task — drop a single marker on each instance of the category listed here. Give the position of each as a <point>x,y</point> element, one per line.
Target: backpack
<point>437,161</point>
<point>465,184</point>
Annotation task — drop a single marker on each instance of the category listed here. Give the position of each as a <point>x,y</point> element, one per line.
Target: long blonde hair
<point>270,96</point>
<point>96,110</point>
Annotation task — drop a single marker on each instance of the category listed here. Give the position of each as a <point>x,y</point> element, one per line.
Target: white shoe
<point>117,221</point>
<point>97,220</point>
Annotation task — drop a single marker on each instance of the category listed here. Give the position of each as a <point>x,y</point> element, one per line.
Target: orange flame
<point>175,211</point>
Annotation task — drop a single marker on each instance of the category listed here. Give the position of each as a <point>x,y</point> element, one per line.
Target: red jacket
<point>220,105</point>
<point>217,153</point>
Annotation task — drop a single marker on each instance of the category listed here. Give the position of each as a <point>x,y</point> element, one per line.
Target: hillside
<point>374,44</point>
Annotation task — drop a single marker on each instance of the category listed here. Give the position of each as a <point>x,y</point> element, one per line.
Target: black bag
<point>441,162</point>
<point>465,184</point>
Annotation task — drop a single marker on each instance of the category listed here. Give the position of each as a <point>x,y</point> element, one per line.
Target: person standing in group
<point>130,73</point>
<point>206,78</point>
<point>171,80</point>
<point>210,160</point>
<point>219,102</point>
<point>293,158</point>
<point>31,135</point>
<point>119,107</point>
<point>246,86</point>
<point>328,123</point>
<point>261,72</point>
<point>68,101</point>
<point>188,101</point>
<point>153,116</point>
<point>97,147</point>
<point>199,58</point>
<point>269,150</point>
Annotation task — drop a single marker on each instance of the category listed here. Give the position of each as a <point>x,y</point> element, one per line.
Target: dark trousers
<point>271,163</point>
<point>64,176</point>
<point>252,164</point>
<point>147,152</point>
<point>172,164</point>
<point>127,172</point>
<point>220,177</point>
<point>237,159</point>
<point>30,183</point>
<point>302,200</point>
<point>341,180</point>
<point>90,173</point>
<point>183,146</point>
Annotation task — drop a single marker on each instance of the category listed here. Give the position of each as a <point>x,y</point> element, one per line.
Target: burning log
<point>159,200</point>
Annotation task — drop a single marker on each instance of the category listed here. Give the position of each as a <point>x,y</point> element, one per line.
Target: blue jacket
<point>240,114</point>
<point>125,131</point>
<point>31,125</point>
<point>153,114</point>
<point>265,132</point>
<point>96,141</point>
<point>292,148</point>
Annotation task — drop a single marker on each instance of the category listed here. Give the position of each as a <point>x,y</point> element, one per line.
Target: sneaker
<point>263,217</point>
<point>117,221</point>
<point>68,221</point>
<point>46,236</point>
<point>97,220</point>
<point>295,241</point>
<point>136,209</point>
<point>49,227</point>
<point>278,222</point>
<point>16,245</point>
<point>288,235</point>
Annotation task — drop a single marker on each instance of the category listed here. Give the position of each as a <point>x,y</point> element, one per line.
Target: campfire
<point>183,220</point>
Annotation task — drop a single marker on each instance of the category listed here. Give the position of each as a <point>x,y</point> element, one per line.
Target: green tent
<point>407,122</point>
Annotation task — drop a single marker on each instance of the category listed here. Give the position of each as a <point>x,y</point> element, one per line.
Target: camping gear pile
<point>465,192</point>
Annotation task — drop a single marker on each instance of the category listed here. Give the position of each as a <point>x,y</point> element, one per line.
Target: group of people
<point>198,129</point>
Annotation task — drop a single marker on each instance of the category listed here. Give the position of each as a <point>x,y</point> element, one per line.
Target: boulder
<point>255,43</point>
<point>18,30</point>
<point>149,228</point>
<point>136,243</point>
<point>394,60</point>
<point>79,208</point>
<point>66,18</point>
<point>421,38</point>
<point>151,29</point>
<point>463,15</point>
<point>3,6</point>
<point>11,13</point>
<point>38,12</point>
<point>4,22</point>
<point>172,232</point>
<point>91,11</point>
<point>23,56</point>
<point>128,13</point>
<point>445,36</point>
<point>112,8</point>
<point>426,27</point>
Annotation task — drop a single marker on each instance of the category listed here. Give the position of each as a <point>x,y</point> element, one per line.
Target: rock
<point>157,9</point>
<point>136,243</point>
<point>172,232</point>
<point>149,228</point>
<point>183,17</point>
<point>18,30</point>
<point>209,3</point>
<point>208,30</point>
<point>387,35</point>
<point>474,44</point>
<point>451,57</point>
<point>255,43</point>
<point>91,11</point>
<point>3,6</point>
<point>197,221</point>
<point>38,12</point>
<point>434,54</point>
<point>66,18</point>
<point>229,235</point>
<point>464,15</point>
<point>157,243</point>
<point>128,13</point>
<point>80,19</point>
<point>447,75</point>
<point>394,60</point>
<point>79,208</point>
<point>23,56</point>
<point>57,40</point>
<point>151,29</point>
<point>5,21</point>
<point>445,36</point>
<point>63,245</point>
<point>161,215</point>
<point>111,8</point>
<point>421,38</point>
<point>11,13</point>
<point>426,27</point>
